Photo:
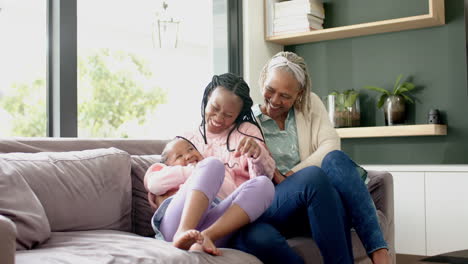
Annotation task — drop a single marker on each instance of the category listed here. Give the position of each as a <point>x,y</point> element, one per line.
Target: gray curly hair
<point>302,103</point>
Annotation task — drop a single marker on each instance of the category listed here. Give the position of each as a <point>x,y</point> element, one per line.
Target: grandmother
<point>305,146</point>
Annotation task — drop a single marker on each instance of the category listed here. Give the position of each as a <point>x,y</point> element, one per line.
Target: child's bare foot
<point>380,256</point>
<point>184,240</point>
<point>207,246</point>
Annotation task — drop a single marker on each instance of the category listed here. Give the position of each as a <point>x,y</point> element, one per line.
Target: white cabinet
<point>446,211</point>
<point>431,207</point>
<point>410,232</point>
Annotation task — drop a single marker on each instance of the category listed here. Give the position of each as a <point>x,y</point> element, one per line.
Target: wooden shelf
<point>393,131</point>
<point>435,17</point>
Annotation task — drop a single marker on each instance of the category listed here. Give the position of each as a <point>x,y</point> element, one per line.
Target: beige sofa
<point>82,201</point>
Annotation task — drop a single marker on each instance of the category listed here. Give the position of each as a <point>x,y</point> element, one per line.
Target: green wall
<point>434,59</point>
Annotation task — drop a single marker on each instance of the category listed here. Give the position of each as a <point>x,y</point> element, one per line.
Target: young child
<point>186,187</point>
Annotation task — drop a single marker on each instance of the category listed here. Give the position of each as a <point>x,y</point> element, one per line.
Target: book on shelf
<point>299,7</point>
<point>294,30</point>
<point>286,27</point>
<point>298,19</point>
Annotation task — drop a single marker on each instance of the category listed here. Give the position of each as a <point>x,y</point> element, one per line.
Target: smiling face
<point>222,109</point>
<point>181,152</point>
<point>280,91</point>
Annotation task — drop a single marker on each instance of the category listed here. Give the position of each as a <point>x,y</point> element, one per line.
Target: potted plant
<point>343,108</point>
<point>394,102</point>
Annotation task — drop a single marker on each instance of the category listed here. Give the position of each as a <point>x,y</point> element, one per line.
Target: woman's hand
<point>249,147</point>
<point>278,177</point>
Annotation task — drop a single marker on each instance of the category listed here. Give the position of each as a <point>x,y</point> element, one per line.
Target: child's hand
<point>156,200</point>
<point>248,147</point>
<point>152,201</point>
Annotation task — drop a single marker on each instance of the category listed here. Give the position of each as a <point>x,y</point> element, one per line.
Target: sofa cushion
<point>19,203</point>
<point>141,210</point>
<point>108,246</point>
<point>79,190</point>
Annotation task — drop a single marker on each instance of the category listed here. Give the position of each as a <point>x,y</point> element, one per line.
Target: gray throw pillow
<point>79,190</point>
<point>19,203</point>
<point>141,210</point>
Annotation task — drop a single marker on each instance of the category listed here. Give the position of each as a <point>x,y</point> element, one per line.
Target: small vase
<point>340,114</point>
<point>394,110</point>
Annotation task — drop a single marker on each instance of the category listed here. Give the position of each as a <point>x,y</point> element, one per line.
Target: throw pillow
<point>79,190</point>
<point>141,210</point>
<point>19,203</point>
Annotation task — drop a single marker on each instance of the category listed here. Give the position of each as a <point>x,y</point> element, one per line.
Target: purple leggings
<point>253,196</point>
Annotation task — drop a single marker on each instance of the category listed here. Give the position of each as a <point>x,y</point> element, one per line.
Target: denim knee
<point>334,158</point>
<point>341,169</point>
<point>311,176</point>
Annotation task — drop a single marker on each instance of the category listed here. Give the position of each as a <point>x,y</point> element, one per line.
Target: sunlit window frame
<point>62,90</point>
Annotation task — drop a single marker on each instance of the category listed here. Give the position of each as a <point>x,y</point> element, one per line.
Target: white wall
<point>256,50</point>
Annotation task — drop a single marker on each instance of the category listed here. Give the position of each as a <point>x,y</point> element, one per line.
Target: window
<point>23,55</point>
<point>140,67</point>
<point>143,66</point>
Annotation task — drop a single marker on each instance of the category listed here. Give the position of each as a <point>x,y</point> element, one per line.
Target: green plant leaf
<point>382,100</point>
<point>407,98</point>
<point>351,99</point>
<point>401,91</point>
<point>397,84</point>
<point>377,89</point>
<point>340,101</point>
<point>410,86</point>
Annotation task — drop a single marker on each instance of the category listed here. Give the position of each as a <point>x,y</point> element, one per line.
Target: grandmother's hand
<point>278,177</point>
<point>249,147</point>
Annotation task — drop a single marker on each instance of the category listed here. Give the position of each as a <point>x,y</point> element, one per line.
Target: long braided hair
<point>239,87</point>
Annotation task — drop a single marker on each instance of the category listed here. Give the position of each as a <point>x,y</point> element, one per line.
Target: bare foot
<point>380,256</point>
<point>207,246</point>
<point>184,240</point>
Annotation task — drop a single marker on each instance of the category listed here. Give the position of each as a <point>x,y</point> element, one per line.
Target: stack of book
<point>298,16</point>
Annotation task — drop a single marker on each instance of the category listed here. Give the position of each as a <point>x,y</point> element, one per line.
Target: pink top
<point>160,178</point>
<point>239,169</point>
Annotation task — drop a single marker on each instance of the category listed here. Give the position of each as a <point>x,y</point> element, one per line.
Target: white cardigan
<point>316,135</point>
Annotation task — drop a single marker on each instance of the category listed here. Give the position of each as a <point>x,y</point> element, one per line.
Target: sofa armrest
<point>381,189</point>
<point>7,240</point>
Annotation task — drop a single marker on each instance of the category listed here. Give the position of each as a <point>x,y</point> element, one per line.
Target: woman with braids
<point>228,130</point>
<point>306,147</point>
<point>200,202</point>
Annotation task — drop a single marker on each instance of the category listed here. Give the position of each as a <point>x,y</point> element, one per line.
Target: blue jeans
<point>305,203</point>
<point>346,179</point>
